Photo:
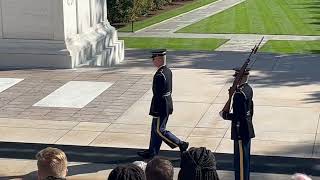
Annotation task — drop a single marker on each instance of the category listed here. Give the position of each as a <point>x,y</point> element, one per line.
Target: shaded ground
<point>111,129</point>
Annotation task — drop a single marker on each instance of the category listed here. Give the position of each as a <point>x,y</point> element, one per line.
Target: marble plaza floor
<point>52,107</point>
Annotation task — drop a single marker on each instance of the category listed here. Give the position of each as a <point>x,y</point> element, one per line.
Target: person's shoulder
<point>160,74</point>
<point>166,68</point>
<point>247,86</point>
<point>247,89</point>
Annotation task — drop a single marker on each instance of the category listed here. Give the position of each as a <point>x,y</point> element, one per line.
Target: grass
<point>295,17</point>
<point>166,15</point>
<point>287,47</point>
<point>173,43</point>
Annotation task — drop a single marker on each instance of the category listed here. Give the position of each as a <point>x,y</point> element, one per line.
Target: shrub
<point>120,10</point>
<point>124,11</point>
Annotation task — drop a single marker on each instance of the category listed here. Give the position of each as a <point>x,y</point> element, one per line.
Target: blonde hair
<point>52,162</point>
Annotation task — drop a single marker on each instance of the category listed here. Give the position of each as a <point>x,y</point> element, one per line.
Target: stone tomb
<point>57,34</point>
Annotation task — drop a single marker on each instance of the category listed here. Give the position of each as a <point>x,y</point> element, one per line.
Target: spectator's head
<point>299,176</point>
<point>159,169</point>
<point>51,162</point>
<point>198,164</point>
<point>127,172</point>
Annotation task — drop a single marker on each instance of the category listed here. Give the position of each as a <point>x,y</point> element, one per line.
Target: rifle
<point>239,76</point>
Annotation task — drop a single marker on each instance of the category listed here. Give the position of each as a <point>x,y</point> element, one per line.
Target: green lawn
<point>173,43</point>
<point>296,17</point>
<point>166,15</point>
<point>286,47</point>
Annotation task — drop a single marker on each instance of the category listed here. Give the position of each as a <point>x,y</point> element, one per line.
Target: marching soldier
<point>161,108</point>
<point>241,126</point>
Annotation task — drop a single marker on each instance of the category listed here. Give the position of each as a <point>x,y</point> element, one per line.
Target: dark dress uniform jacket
<point>242,127</point>
<point>161,104</point>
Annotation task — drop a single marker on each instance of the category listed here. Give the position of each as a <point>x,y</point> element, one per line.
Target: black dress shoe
<point>145,154</point>
<point>183,146</point>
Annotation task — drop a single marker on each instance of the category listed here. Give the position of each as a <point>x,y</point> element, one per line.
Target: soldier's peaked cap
<point>237,70</point>
<point>158,52</point>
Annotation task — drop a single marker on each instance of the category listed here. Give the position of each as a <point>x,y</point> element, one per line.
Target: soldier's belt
<point>166,94</point>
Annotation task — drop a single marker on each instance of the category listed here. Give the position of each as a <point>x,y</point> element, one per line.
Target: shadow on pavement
<point>112,156</point>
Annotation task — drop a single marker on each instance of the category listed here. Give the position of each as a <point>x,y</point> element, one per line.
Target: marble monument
<point>57,34</point>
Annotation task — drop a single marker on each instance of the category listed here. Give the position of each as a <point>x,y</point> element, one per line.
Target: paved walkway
<point>241,45</point>
<point>118,117</point>
<point>287,106</point>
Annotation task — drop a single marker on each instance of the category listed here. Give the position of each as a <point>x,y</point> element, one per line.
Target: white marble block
<point>74,94</point>
<point>6,83</point>
<point>57,34</point>
<point>27,21</point>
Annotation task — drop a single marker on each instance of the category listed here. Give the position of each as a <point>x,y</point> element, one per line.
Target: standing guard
<point>161,108</point>
<point>241,127</point>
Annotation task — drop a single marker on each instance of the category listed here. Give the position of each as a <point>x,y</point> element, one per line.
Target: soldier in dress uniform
<point>241,126</point>
<point>161,108</point>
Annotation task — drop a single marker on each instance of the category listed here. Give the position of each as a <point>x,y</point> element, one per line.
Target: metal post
<point>131,26</point>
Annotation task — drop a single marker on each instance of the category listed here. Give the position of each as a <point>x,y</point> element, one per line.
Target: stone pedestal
<point>57,34</point>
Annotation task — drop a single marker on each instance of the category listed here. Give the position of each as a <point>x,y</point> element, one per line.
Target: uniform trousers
<point>241,159</point>
<point>159,134</point>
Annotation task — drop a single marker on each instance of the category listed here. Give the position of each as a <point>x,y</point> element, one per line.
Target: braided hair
<point>127,172</point>
<point>198,164</point>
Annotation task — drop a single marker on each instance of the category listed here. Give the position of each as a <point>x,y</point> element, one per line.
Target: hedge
<point>124,11</point>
